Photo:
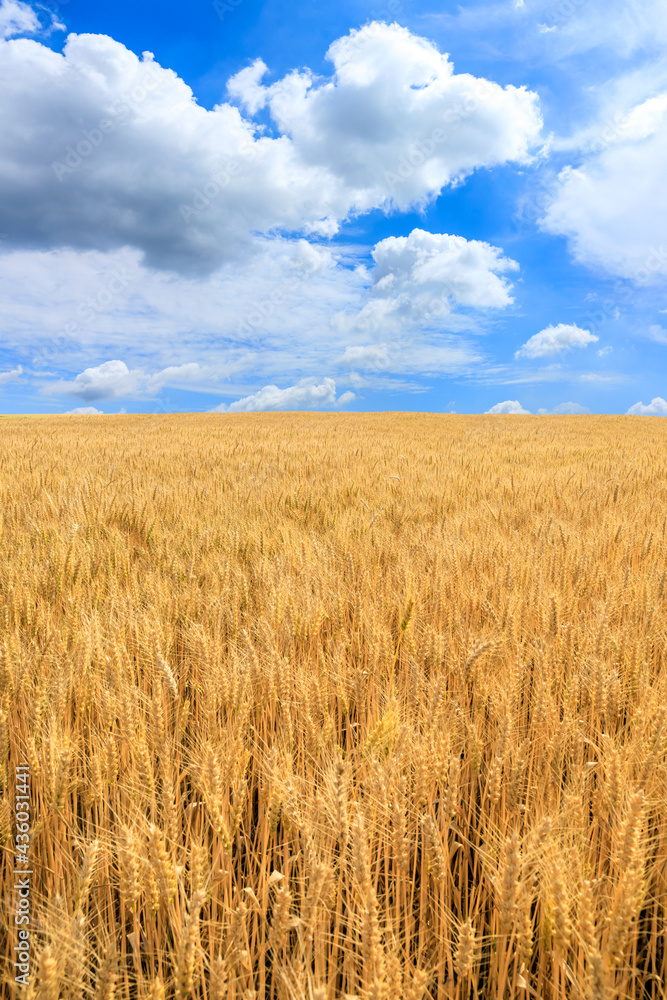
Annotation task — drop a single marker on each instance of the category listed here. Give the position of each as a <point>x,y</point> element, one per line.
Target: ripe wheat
<point>336,705</point>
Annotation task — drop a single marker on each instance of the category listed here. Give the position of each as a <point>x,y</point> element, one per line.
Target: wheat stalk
<point>232,684</point>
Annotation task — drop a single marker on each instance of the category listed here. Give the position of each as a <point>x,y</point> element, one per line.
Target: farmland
<point>317,705</point>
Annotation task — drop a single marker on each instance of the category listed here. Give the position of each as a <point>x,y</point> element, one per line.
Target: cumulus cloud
<point>83,411</point>
<point>610,223</point>
<point>508,406</point>
<point>656,408</point>
<point>395,120</point>
<point>295,397</point>
<point>418,280</point>
<point>443,267</point>
<point>11,376</point>
<point>203,182</point>
<point>114,380</point>
<point>106,381</point>
<point>246,86</point>
<point>553,339</point>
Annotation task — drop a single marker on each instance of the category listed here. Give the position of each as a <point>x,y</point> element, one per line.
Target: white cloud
<point>395,121</point>
<point>565,409</point>
<point>489,374</point>
<point>345,398</point>
<point>394,124</point>
<point>443,267</point>
<point>508,406</point>
<point>604,351</point>
<point>656,408</point>
<point>247,87</point>
<point>384,383</point>
<point>84,411</point>
<point>416,354</point>
<point>596,377</point>
<point>617,25</point>
<point>90,300</point>
<point>644,119</point>
<point>107,381</point>
<point>553,339</point>
<point>308,307</point>
<point>657,333</point>
<point>612,222</point>
<point>570,408</point>
<point>114,380</point>
<point>574,27</point>
<point>17,19</point>
<point>612,126</point>
<point>11,376</point>
<point>366,356</point>
<point>420,279</point>
<point>295,397</point>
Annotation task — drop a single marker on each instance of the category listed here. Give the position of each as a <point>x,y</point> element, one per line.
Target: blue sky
<point>395,205</point>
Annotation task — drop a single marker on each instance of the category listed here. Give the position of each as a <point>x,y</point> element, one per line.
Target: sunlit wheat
<point>300,728</point>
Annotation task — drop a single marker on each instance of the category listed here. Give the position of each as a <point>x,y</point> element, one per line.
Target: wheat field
<point>320,706</point>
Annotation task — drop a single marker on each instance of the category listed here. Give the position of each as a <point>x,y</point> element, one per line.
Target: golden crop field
<point>328,705</point>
